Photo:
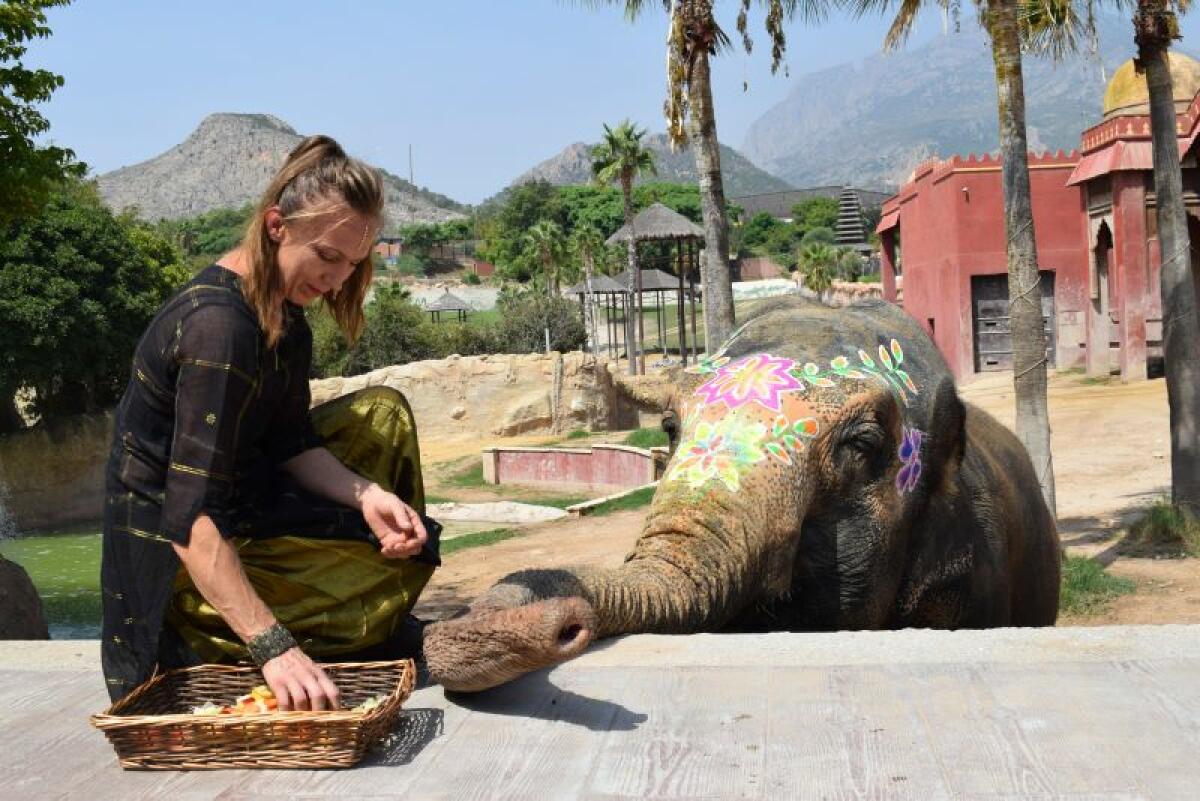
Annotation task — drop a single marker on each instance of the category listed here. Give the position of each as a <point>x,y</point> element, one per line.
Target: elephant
<point>825,476</point>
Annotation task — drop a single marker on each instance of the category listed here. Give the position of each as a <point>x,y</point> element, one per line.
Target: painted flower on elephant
<point>719,450</point>
<point>760,378</point>
<point>910,459</point>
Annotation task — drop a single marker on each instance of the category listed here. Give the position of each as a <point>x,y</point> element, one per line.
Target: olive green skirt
<point>335,596</point>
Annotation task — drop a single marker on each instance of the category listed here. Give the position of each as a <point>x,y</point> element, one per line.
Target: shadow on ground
<point>534,696</point>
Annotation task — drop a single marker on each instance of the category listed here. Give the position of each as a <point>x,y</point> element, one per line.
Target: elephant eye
<point>862,451</point>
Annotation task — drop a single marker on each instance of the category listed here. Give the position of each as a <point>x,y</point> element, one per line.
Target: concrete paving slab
<point>1096,713</point>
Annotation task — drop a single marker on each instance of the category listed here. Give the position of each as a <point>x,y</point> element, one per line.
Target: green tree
<point>28,173</point>
<point>815,212</point>
<point>526,316</point>
<point>1001,19</point>
<point>77,288</point>
<point>396,332</point>
<point>620,158</point>
<point>812,236</point>
<point>818,264</point>
<point>548,243</point>
<point>760,227</point>
<point>588,246</point>
<point>694,37</point>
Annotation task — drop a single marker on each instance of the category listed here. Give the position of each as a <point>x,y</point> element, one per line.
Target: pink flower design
<point>760,378</point>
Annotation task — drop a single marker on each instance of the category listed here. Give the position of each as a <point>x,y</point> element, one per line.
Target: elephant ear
<point>946,435</point>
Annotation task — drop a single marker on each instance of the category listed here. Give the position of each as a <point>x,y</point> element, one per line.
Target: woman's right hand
<point>299,683</point>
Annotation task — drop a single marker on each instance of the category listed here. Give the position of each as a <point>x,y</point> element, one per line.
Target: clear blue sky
<point>481,89</point>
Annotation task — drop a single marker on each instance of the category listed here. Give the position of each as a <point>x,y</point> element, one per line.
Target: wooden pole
<point>692,298</point>
<point>679,310</point>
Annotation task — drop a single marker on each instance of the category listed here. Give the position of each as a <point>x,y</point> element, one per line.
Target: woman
<point>231,527</point>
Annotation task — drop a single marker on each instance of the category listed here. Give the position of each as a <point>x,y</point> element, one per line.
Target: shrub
<point>647,438</point>
<point>473,279</point>
<point>817,236</point>
<point>1164,528</point>
<point>526,315</point>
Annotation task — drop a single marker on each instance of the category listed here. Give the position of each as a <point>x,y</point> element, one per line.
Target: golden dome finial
<point>1127,93</point>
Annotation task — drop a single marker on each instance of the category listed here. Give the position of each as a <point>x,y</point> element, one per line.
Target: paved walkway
<point>1096,713</point>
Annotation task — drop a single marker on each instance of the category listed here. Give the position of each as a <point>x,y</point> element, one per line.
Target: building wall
<point>952,228</point>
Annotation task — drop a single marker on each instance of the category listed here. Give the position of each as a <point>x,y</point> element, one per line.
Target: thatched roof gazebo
<point>657,223</point>
<point>602,289</point>
<point>448,303</point>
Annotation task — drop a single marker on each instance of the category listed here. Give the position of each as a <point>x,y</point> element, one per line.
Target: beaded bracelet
<point>270,643</point>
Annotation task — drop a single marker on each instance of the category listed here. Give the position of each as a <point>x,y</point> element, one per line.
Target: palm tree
<point>817,262</point>
<point>620,158</point>
<point>1052,25</point>
<point>1001,20</point>
<point>694,37</point>
<point>588,243</point>
<point>1155,25</point>
<point>545,238</point>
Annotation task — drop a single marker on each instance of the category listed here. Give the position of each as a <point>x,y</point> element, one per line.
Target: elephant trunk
<point>686,574</point>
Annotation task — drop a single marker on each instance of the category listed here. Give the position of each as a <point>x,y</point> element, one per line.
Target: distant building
<point>853,204</point>
<point>1096,234</point>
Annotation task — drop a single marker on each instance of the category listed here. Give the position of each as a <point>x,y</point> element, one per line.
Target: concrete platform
<point>1096,713</point>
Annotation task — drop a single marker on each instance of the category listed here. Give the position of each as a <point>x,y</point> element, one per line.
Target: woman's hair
<point>318,178</point>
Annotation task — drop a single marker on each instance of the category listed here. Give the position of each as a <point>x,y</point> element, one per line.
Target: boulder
<point>21,614</point>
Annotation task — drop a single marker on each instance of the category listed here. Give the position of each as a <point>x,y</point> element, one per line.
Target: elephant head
<point>807,447</point>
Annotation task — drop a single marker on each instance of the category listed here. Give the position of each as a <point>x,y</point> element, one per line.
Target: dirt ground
<point>1111,458</point>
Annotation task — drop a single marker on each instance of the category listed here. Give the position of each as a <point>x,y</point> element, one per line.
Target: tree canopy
<point>28,172</point>
<point>77,288</point>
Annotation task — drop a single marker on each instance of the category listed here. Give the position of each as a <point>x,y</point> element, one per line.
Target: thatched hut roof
<point>600,283</point>
<point>652,281</point>
<point>448,303</point>
<point>657,223</point>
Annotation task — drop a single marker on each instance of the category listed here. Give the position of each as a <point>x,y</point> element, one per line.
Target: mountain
<point>228,161</point>
<point>573,165</point>
<point>870,123</point>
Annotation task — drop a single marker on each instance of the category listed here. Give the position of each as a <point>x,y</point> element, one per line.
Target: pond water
<point>65,568</point>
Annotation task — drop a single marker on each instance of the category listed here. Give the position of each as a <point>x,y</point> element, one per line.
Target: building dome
<point>1127,92</point>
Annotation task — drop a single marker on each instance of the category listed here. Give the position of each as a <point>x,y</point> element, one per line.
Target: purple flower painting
<point>910,459</point>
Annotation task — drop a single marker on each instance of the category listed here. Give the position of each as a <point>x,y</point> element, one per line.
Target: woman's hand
<point>299,683</point>
<point>398,527</point>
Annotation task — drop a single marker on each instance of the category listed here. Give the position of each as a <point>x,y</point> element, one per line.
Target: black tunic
<point>208,412</point>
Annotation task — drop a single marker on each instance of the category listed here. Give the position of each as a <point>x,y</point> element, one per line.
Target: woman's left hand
<point>398,527</point>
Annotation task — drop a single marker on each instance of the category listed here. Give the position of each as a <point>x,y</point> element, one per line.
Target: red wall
<point>952,228</point>
<point>599,466</point>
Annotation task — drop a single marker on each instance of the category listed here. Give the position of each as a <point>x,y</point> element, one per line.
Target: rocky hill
<point>870,123</point>
<point>573,165</point>
<point>229,160</point>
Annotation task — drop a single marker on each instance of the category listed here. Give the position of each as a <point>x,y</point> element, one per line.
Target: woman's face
<point>317,254</point>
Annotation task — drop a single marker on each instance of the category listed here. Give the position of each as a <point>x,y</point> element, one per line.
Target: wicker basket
<point>153,727</point>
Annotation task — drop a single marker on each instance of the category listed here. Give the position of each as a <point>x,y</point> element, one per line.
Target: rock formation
<point>227,162</point>
<point>21,614</point>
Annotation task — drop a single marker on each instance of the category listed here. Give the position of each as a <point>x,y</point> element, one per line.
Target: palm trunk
<point>1024,289</point>
<point>633,340</point>
<point>589,309</point>
<point>1181,333</point>
<point>715,278</point>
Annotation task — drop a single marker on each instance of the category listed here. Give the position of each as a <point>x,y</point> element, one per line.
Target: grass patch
<point>646,438</point>
<point>1087,589</point>
<point>1096,380</point>
<point>1163,530</point>
<point>471,476</point>
<point>579,433</point>
<point>634,500</point>
<point>478,539</point>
